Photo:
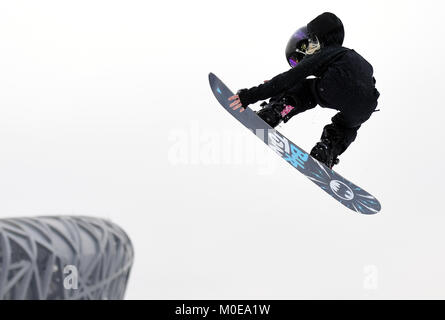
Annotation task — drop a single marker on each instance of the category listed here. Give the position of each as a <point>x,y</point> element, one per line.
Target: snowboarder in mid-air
<point>341,80</point>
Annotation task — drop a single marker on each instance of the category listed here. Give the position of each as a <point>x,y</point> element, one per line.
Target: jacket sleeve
<point>311,65</point>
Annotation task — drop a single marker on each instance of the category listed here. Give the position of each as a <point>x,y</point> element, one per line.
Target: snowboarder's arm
<point>278,84</point>
<point>311,65</point>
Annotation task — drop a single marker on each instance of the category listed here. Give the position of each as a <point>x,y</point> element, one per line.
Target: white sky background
<point>105,110</point>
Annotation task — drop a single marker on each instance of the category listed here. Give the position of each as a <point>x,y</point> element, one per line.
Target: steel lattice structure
<point>63,258</point>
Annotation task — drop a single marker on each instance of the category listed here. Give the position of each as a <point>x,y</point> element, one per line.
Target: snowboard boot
<point>271,114</point>
<point>323,152</point>
<point>276,112</point>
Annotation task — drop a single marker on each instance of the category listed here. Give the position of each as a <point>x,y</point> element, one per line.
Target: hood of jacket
<point>328,28</point>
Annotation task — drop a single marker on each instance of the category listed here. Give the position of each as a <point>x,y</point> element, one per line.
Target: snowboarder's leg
<point>337,137</point>
<point>283,108</point>
<point>334,141</point>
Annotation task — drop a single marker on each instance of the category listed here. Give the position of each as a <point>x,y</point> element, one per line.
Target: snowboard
<point>342,190</point>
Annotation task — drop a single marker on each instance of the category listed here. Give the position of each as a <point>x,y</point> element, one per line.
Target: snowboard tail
<point>344,191</point>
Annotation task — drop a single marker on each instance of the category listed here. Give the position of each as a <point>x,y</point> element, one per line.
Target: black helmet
<point>301,43</point>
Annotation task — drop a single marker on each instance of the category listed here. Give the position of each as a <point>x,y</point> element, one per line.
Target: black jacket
<point>345,82</point>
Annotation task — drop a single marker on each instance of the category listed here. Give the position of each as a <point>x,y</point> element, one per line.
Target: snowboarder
<point>342,80</point>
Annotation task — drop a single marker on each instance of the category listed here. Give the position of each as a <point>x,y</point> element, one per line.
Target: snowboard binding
<point>323,152</point>
<point>275,112</point>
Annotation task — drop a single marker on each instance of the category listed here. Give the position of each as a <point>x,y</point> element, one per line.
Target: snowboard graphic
<point>327,179</point>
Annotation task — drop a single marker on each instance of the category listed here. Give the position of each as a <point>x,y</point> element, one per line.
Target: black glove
<point>243,97</point>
